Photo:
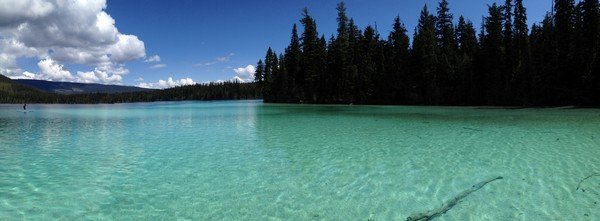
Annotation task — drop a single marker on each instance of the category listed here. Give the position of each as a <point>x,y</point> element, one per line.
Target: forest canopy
<point>448,61</point>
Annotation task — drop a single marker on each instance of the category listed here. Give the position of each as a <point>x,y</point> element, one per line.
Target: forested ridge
<point>11,92</point>
<point>448,61</point>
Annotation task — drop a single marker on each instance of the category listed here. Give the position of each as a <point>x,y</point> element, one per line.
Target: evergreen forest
<point>12,92</point>
<point>448,61</point>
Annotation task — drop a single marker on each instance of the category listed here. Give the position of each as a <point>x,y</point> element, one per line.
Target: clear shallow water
<point>246,160</point>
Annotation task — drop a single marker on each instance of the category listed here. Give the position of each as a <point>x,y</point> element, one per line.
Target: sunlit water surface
<point>246,160</point>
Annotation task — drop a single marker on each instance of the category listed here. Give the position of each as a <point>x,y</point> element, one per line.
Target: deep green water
<point>246,160</point>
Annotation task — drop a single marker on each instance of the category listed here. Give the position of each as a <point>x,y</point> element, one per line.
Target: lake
<point>245,160</point>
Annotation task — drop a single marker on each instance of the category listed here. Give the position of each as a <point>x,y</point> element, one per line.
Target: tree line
<point>11,92</point>
<point>504,63</point>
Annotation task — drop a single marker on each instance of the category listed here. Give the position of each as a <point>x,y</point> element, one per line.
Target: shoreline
<point>481,107</point>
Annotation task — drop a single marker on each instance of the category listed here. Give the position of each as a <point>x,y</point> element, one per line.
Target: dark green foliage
<point>339,67</point>
<point>524,84</point>
<point>589,48</point>
<point>367,63</point>
<point>311,58</point>
<point>509,52</point>
<point>556,63</point>
<point>425,59</point>
<point>447,80</point>
<point>323,81</point>
<point>11,92</point>
<point>468,47</point>
<point>396,82</point>
<point>292,66</point>
<point>259,76</point>
<point>564,20</point>
<point>349,86</point>
<point>544,60</point>
<point>492,55</point>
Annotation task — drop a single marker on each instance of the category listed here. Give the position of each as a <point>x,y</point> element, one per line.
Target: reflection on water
<point>247,160</point>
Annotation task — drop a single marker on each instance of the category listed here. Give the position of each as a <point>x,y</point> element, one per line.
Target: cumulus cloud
<point>61,32</point>
<point>169,83</point>
<point>127,48</point>
<point>102,74</point>
<point>23,10</point>
<point>8,65</point>
<point>50,70</point>
<point>244,74</point>
<point>154,58</point>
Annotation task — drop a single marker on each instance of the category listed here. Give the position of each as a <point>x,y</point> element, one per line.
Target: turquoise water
<point>246,160</point>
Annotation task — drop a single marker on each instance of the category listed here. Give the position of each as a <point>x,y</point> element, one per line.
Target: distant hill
<point>78,88</point>
<point>15,91</point>
<point>9,86</point>
<point>11,92</point>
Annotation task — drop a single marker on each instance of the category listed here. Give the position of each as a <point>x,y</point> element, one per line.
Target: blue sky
<point>205,40</point>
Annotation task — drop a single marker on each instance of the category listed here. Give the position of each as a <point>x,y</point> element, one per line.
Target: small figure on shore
<point>24,107</point>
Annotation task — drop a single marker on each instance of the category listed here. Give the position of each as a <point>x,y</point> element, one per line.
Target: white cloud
<point>154,58</point>
<point>245,74</point>
<point>26,75</point>
<point>205,64</point>
<point>87,77</point>
<point>225,58</point>
<point>64,32</point>
<point>221,59</point>
<point>50,70</point>
<point>8,65</point>
<point>102,74</point>
<point>23,10</point>
<point>237,79</point>
<point>242,75</point>
<point>169,83</point>
<point>158,66</point>
<point>128,48</point>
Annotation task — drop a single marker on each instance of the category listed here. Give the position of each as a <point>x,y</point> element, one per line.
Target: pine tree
<point>310,57</point>
<point>323,81</point>
<point>565,82</point>
<point>340,53</point>
<point>292,65</point>
<point>544,59</point>
<point>425,57</point>
<point>447,44</point>
<point>270,71</point>
<point>590,47</point>
<point>493,56</point>
<point>510,76</point>
<point>354,34</point>
<point>282,81</point>
<point>397,65</point>
<point>367,66</point>
<point>268,75</point>
<point>467,50</point>
<point>259,76</point>
<point>522,57</point>
<point>331,92</point>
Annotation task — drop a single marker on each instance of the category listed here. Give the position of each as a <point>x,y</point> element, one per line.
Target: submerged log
<point>580,182</point>
<point>449,204</point>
